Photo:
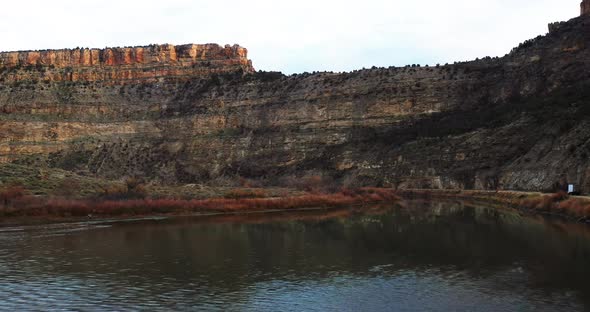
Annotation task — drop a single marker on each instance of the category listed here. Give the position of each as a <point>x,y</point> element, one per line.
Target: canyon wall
<point>201,114</point>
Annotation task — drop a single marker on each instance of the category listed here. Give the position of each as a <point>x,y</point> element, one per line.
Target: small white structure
<point>570,188</point>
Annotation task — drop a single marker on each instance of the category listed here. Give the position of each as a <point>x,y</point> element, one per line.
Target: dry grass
<point>560,204</point>
<point>576,207</point>
<point>58,207</point>
<point>545,202</point>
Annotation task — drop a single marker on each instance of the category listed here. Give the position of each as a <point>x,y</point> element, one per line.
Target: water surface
<point>446,256</point>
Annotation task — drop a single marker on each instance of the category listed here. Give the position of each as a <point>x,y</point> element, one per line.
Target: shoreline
<point>570,208</point>
<point>51,211</point>
<point>559,205</point>
<point>248,216</point>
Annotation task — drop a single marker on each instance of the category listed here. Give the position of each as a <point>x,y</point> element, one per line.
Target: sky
<point>291,36</point>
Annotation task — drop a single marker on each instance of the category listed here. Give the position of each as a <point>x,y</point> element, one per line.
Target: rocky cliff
<point>585,7</point>
<point>200,114</point>
<point>118,65</point>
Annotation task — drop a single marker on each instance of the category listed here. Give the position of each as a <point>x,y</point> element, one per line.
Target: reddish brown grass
<point>11,194</point>
<point>561,204</point>
<point>576,208</point>
<point>28,206</point>
<point>544,203</point>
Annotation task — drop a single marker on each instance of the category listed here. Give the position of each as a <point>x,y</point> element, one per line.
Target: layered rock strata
<point>517,122</point>
<point>115,65</point>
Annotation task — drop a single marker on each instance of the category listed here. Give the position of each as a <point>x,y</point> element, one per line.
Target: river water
<point>446,256</point>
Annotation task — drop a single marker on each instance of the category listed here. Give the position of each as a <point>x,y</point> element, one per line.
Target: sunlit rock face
<point>115,65</point>
<point>200,114</point>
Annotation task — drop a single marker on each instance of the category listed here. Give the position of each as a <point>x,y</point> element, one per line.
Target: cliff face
<point>115,65</point>
<point>517,122</point>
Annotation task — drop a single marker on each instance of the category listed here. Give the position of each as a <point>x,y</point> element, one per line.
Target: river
<point>426,256</point>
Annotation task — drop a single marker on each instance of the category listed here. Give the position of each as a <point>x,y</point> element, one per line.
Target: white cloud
<point>291,36</point>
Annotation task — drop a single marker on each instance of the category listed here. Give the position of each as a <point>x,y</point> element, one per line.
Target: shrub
<point>132,188</point>
<point>311,183</point>
<point>10,194</point>
<point>68,187</point>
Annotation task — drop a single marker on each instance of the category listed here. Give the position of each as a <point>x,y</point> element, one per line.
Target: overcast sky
<point>291,36</point>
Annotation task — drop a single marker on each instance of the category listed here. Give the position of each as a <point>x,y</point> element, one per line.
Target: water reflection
<point>425,256</point>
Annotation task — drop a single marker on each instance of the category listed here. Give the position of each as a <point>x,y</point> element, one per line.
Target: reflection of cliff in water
<point>226,254</point>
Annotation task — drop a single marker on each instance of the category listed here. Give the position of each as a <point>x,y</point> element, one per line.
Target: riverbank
<point>27,210</point>
<point>36,210</point>
<point>572,208</point>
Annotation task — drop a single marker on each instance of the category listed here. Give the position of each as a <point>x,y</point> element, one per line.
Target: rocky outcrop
<point>517,122</point>
<point>585,7</point>
<point>119,64</point>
